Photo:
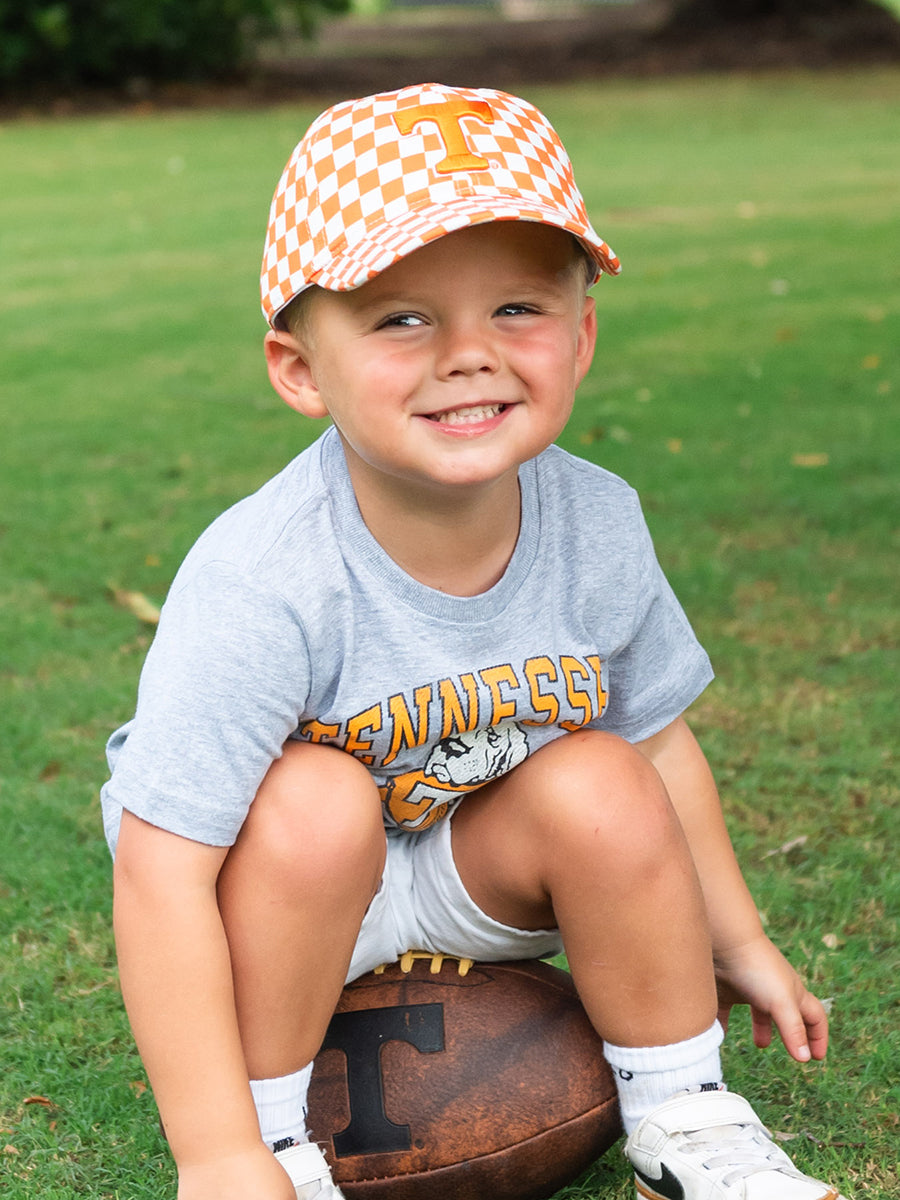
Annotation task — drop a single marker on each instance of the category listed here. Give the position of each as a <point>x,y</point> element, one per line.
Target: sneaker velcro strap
<point>696,1112</point>
<point>304,1163</point>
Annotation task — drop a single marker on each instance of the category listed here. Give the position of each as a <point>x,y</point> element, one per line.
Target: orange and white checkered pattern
<point>374,179</point>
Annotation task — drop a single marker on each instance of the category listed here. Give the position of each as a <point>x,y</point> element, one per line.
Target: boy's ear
<point>291,375</point>
<point>587,338</point>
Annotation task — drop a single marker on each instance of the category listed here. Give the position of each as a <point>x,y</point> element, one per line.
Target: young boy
<point>425,688</point>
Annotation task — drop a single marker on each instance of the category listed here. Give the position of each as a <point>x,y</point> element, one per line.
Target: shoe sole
<point>677,1192</point>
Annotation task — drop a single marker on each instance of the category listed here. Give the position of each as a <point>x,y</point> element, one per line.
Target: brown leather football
<point>483,1085</point>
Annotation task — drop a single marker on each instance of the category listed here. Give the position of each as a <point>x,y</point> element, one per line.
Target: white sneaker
<point>710,1145</point>
<point>309,1172</point>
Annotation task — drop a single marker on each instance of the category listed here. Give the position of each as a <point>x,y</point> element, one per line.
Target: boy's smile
<point>471,420</point>
<point>452,367</point>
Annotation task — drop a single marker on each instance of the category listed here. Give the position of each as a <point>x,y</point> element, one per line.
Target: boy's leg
<point>293,892</point>
<point>582,836</point>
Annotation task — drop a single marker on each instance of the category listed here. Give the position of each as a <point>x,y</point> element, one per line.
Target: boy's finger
<point>793,1028</point>
<point>816,1019</point>
<point>762,1028</point>
<point>796,1044</point>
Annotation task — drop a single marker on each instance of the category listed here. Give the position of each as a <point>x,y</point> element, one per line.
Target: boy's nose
<point>466,350</point>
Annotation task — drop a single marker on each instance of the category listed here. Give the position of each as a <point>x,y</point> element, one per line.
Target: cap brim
<point>389,242</point>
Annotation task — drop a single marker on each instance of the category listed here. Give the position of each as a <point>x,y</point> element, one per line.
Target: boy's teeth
<point>460,416</point>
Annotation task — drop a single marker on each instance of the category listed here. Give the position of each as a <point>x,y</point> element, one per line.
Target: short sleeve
<point>220,693</point>
<point>661,668</point>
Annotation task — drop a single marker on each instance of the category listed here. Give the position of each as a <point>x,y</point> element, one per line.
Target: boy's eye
<point>401,321</point>
<point>514,310</point>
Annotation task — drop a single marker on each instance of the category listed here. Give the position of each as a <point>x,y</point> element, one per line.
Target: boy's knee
<point>596,786</point>
<point>592,760</point>
<point>317,810</point>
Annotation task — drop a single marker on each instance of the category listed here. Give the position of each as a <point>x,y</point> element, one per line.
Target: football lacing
<point>463,965</point>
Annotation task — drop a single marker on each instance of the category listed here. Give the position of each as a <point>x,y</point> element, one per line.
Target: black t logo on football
<point>361,1035</point>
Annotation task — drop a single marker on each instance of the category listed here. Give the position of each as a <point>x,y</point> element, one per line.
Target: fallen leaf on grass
<point>589,436</point>
<point>7,1149</point>
<point>809,1137</point>
<point>780,1136</point>
<point>137,604</point>
<point>138,1087</point>
<point>42,1100</point>
<point>98,987</point>
<point>787,847</point>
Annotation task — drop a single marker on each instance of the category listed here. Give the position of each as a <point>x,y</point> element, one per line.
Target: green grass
<point>746,382</point>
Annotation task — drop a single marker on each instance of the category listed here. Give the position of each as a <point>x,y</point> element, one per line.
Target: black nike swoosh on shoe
<point>667,1187</point>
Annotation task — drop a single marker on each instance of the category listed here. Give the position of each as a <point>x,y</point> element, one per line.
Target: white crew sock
<point>646,1076</point>
<point>281,1106</point>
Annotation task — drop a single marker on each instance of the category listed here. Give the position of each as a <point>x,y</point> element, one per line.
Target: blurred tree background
<point>104,42</point>
<point>735,11</point>
<point>69,45</point>
<point>52,48</point>
<point>794,15</point>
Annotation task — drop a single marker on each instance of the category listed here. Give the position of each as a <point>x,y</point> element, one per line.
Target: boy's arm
<point>176,980</point>
<point>749,969</point>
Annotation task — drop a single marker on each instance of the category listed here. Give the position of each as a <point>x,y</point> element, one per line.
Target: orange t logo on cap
<point>447,117</point>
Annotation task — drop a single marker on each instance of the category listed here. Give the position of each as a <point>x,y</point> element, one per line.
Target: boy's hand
<point>252,1175</point>
<point>757,974</point>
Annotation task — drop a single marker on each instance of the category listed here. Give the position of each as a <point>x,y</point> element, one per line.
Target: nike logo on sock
<point>667,1187</point>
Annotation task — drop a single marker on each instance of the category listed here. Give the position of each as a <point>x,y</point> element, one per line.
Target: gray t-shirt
<point>287,619</point>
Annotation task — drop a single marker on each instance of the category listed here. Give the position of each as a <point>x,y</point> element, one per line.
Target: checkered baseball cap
<point>374,179</point>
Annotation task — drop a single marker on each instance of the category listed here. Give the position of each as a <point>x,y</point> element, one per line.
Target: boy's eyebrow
<point>366,307</point>
<point>520,288</point>
<point>365,302</point>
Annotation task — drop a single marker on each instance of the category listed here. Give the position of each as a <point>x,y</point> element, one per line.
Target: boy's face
<point>453,366</point>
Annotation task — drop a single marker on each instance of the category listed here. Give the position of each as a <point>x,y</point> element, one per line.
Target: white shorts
<point>422,905</point>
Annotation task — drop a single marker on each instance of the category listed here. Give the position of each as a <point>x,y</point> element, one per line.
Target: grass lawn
<point>747,382</point>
